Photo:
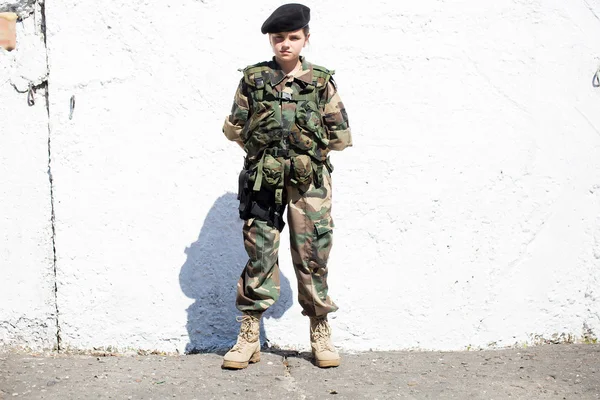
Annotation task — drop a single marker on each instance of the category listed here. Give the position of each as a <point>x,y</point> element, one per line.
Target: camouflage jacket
<point>302,113</point>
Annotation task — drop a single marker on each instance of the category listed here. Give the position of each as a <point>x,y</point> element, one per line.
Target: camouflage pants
<point>310,224</point>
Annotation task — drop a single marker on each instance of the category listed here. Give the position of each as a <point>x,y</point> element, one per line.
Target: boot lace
<point>321,334</point>
<point>246,334</point>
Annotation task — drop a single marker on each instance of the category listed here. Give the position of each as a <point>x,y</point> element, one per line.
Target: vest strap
<point>318,174</point>
<point>259,174</point>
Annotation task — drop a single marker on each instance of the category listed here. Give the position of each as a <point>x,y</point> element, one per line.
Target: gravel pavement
<point>542,372</point>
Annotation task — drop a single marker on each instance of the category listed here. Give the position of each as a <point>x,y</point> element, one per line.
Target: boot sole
<point>241,364</point>
<point>327,363</point>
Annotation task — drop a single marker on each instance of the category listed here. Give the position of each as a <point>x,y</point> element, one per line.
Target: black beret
<point>287,18</point>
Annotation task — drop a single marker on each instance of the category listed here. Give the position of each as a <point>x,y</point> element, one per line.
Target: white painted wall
<point>467,212</point>
<point>27,298</point>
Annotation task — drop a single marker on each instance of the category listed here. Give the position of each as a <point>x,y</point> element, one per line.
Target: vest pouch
<point>263,117</point>
<point>262,129</point>
<point>303,169</point>
<point>272,171</point>
<point>308,118</point>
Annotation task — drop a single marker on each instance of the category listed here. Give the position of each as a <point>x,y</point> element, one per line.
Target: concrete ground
<point>543,372</point>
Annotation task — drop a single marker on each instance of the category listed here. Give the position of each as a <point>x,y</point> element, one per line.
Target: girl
<point>287,116</point>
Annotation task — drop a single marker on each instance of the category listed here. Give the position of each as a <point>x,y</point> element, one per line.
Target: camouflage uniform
<point>287,126</point>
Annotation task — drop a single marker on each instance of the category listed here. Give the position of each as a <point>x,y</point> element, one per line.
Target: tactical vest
<point>266,129</point>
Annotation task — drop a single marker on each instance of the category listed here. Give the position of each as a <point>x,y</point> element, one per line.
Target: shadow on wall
<point>209,276</point>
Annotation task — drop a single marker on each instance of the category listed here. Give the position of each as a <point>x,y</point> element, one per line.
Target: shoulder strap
<point>321,76</point>
<point>255,76</point>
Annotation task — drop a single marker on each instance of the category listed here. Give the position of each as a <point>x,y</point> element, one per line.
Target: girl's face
<point>288,45</point>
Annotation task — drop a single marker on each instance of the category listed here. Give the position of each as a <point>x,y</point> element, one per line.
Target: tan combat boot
<point>247,348</point>
<point>320,340</point>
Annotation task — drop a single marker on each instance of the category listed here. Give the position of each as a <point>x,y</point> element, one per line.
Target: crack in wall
<point>591,10</point>
<point>42,6</point>
<point>53,220</point>
<point>43,27</point>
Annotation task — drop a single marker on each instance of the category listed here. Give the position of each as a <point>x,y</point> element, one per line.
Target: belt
<point>277,152</point>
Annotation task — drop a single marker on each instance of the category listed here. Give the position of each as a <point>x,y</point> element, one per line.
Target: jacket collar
<point>277,75</point>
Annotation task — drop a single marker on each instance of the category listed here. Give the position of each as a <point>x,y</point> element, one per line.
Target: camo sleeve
<point>335,119</point>
<point>234,123</point>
